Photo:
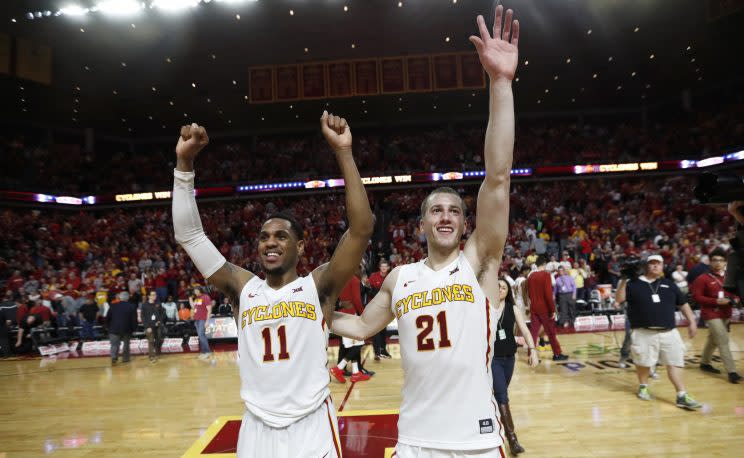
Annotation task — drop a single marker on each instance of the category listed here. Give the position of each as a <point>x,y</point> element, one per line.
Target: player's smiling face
<point>444,221</point>
<point>278,247</point>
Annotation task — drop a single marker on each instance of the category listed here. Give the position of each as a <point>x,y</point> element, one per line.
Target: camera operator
<point>715,309</point>
<point>652,303</point>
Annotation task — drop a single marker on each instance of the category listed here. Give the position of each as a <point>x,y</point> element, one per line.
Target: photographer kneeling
<point>652,303</point>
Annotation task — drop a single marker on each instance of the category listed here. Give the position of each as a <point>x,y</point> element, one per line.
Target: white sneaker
<point>204,356</point>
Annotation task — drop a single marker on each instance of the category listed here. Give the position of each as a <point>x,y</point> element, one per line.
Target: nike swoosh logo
<point>251,295</point>
<point>405,285</point>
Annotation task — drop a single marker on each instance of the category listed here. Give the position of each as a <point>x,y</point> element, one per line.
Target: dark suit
<point>122,322</point>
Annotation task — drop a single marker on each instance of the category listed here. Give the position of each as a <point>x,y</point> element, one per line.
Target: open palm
<point>498,55</point>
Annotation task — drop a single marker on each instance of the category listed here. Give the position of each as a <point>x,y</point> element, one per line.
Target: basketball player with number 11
<point>282,331</point>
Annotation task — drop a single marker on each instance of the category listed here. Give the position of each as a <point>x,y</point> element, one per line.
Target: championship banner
<point>339,78</point>
<point>33,61</point>
<point>261,87</point>
<point>446,72</point>
<point>392,74</point>
<point>418,70</point>
<point>366,81</point>
<point>287,78</point>
<point>313,81</point>
<point>4,53</point>
<point>471,72</point>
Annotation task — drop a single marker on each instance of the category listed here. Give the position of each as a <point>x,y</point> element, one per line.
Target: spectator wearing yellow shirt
<point>579,275</point>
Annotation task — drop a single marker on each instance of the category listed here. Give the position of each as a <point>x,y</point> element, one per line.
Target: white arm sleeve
<point>188,227</point>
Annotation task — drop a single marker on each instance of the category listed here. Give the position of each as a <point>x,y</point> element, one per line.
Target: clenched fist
<point>192,139</point>
<point>336,131</point>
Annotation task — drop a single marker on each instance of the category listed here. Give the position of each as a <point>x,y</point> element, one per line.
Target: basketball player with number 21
<point>282,320</point>
<point>446,324</point>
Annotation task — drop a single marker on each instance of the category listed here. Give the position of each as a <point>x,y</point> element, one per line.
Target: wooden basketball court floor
<point>586,407</point>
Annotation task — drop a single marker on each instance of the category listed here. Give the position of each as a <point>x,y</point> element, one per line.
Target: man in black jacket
<point>121,321</point>
<point>153,320</point>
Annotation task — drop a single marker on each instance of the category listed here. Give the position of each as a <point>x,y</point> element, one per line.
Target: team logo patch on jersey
<point>486,426</point>
<point>454,271</point>
<point>297,290</point>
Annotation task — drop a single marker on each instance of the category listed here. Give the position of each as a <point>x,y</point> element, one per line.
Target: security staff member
<point>652,302</point>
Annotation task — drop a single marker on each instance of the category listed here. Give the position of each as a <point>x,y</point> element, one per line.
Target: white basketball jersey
<point>282,341</point>
<point>446,329</point>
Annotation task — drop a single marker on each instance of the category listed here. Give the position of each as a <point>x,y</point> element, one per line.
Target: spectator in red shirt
<point>379,342</point>
<point>715,309</point>
<point>542,307</point>
<point>161,285</point>
<point>201,307</point>
<point>350,301</point>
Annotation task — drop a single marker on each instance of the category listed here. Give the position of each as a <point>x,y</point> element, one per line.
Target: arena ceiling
<point>138,76</point>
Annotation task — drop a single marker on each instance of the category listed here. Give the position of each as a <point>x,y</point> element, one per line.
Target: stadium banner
<point>340,81</point>
<point>287,82</point>
<point>33,61</point>
<point>392,74</point>
<point>4,54</point>
<point>261,84</point>
<point>366,80</point>
<point>418,71</point>
<point>446,72</point>
<point>472,75</point>
<point>314,81</point>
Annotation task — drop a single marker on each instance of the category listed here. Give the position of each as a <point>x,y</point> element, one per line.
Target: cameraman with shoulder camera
<point>652,303</point>
<point>715,309</point>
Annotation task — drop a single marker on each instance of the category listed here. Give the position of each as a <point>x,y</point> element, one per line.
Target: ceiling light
<point>594,76</point>
<point>118,7</point>
<point>291,12</point>
<point>234,82</point>
<point>447,39</point>
<point>526,62</point>
<point>174,5</point>
<point>346,8</point>
<point>72,10</point>
<point>170,102</point>
<point>13,20</point>
<point>651,56</point>
<point>636,29</point>
<point>633,74</point>
<point>353,46</point>
<point>609,59</point>
<point>568,61</point>
<point>589,32</point>
<point>400,4</point>
<point>168,59</point>
<point>237,16</point>
<point>555,78</point>
<point>193,84</point>
<point>82,29</point>
<point>307,50</point>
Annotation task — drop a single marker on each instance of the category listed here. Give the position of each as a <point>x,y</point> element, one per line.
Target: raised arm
<point>227,277</point>
<point>499,56</point>
<point>377,314</point>
<point>330,278</point>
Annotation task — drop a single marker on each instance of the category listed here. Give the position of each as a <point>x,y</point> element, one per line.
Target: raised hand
<point>192,139</point>
<point>498,55</point>
<point>336,131</point>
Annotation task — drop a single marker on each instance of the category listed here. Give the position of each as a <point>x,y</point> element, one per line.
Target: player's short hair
<point>541,260</point>
<point>294,224</point>
<point>441,190</point>
<point>718,252</point>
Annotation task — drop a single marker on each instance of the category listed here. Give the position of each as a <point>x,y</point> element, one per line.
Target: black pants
<point>154,340</point>
<point>379,342</point>
<point>502,369</point>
